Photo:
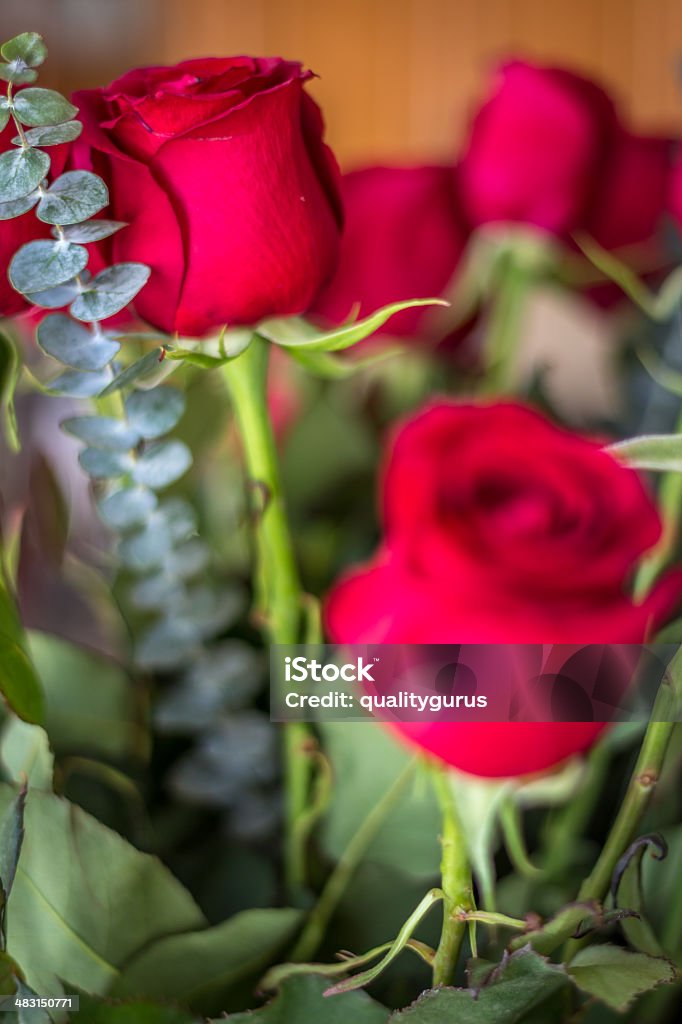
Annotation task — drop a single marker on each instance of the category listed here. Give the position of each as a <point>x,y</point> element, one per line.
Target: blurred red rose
<point>219,166</point>
<point>17,231</point>
<point>403,238</point>
<point>675,196</point>
<point>547,149</point>
<point>501,527</point>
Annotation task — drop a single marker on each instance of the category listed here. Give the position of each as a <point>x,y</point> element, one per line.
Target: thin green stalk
<point>338,880</point>
<point>504,325</point>
<point>571,821</point>
<point>279,596</point>
<point>670,503</point>
<point>456,882</point>
<point>640,789</point>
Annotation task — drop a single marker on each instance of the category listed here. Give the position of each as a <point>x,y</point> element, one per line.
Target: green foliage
<point>74,345</point>
<point>25,753</point>
<point>19,683</point>
<point>96,1011</point>
<point>302,1001</point>
<point>212,969</point>
<point>11,842</point>
<point>659,452</point>
<point>27,48</point>
<point>42,265</point>
<point>37,107</point>
<point>21,171</point>
<point>110,291</point>
<point>72,198</point>
<point>51,135</point>
<point>616,976</point>
<point>10,369</point>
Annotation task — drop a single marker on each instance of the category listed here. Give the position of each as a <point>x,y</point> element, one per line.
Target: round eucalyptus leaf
<point>110,291</point>
<point>51,135</point>
<point>72,198</point>
<point>104,432</point>
<point>21,171</point>
<point>73,384</point>
<point>128,507</point>
<point>41,265</point>
<point>226,678</point>
<point>145,550</point>
<point>211,610</point>
<point>167,644</point>
<point>4,115</point>
<point>17,74</point>
<point>188,560</point>
<point>180,520</point>
<point>55,298</point>
<point>91,230</point>
<point>158,592</point>
<point>27,48</point>
<point>105,465</point>
<point>74,345</point>
<point>19,206</point>
<point>162,465</point>
<point>37,107</point>
<point>155,412</point>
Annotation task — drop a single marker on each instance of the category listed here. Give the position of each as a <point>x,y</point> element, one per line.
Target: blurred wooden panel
<point>397,78</point>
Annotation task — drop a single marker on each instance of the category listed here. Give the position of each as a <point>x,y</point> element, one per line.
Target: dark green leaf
<point>74,345</point>
<point>21,171</point>
<point>27,47</point>
<point>41,265</point>
<point>15,209</point>
<point>92,230</point>
<point>52,135</point>
<point>110,291</point>
<point>72,198</point>
<point>202,969</point>
<point>523,982</point>
<point>102,432</point>
<point>302,1001</point>
<point>43,107</point>
<point>10,368</point>
<point>74,384</point>
<point>19,683</point>
<point>105,465</point>
<point>81,717</point>
<point>139,370</point>
<point>85,902</point>
<point>11,841</point>
<point>291,332</point>
<point>131,1012</point>
<point>153,413</point>
<point>128,507</point>
<point>616,976</point>
<point>162,465</point>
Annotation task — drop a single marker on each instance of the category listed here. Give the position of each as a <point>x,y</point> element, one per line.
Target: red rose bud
<point>403,239</point>
<point>547,149</point>
<point>232,197</point>
<point>500,527</point>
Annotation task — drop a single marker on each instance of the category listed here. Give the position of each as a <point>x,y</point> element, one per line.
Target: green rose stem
<point>670,502</point>
<point>279,597</point>
<point>456,881</point>
<point>640,789</point>
<point>336,884</point>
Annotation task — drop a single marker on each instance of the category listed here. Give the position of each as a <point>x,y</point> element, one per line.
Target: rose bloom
<point>547,149</point>
<point>500,527</point>
<point>404,236</point>
<point>232,197</point>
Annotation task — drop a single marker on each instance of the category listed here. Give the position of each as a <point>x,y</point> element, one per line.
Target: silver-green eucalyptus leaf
<point>38,107</point>
<point>51,135</point>
<point>41,265</point>
<point>103,432</point>
<point>17,74</point>
<point>91,230</point>
<point>145,367</point>
<point>110,291</point>
<point>21,171</point>
<point>153,413</point>
<point>73,344</point>
<point>27,48</point>
<point>74,384</point>
<point>18,206</point>
<point>128,507</point>
<point>4,114</point>
<point>72,198</point>
<point>58,297</point>
<point>105,465</point>
<point>162,465</point>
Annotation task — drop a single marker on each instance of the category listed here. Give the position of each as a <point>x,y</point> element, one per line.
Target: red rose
<point>219,166</point>
<point>403,238</point>
<point>675,197</point>
<point>503,528</point>
<point>547,149</point>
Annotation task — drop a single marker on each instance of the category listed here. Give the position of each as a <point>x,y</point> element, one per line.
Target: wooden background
<point>397,77</point>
